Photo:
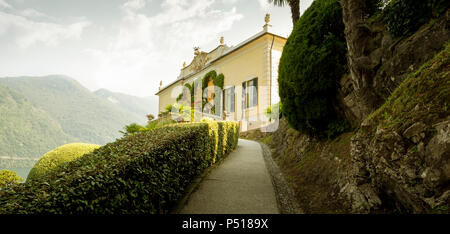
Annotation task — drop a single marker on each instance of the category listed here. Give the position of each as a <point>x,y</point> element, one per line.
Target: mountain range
<point>38,114</point>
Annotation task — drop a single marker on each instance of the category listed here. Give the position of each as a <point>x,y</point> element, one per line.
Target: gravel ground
<point>284,195</point>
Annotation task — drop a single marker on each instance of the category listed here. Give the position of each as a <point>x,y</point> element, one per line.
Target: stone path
<point>241,184</point>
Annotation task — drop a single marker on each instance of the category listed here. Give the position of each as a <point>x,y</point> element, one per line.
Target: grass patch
<point>267,140</point>
<point>423,96</point>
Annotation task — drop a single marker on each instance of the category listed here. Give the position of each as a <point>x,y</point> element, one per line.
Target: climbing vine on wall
<point>190,87</point>
<point>179,97</point>
<point>218,81</point>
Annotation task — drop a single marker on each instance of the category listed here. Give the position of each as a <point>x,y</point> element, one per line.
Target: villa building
<point>230,83</point>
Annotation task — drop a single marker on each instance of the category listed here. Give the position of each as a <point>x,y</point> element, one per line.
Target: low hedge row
<point>229,133</point>
<point>142,173</point>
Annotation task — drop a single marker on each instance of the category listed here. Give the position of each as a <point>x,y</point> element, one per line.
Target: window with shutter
<point>229,99</point>
<point>251,93</point>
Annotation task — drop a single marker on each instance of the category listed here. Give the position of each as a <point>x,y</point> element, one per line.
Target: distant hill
<point>132,104</point>
<point>25,129</point>
<point>38,114</point>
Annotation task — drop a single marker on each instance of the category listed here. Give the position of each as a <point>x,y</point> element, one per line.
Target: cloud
<point>26,33</point>
<point>133,5</point>
<point>4,4</point>
<point>29,12</point>
<point>147,45</point>
<point>264,4</point>
<point>229,1</point>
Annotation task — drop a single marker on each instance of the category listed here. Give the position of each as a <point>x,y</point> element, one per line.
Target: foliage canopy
<point>8,177</point>
<point>404,17</point>
<point>313,60</point>
<point>58,156</point>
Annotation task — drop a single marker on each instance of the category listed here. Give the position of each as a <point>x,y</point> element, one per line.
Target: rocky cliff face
<point>402,151</point>
<point>398,158</point>
<point>379,63</point>
<point>391,170</point>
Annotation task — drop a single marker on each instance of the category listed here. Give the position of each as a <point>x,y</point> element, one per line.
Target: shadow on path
<point>241,184</point>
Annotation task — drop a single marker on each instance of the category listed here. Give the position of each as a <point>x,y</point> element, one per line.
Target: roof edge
<point>235,48</point>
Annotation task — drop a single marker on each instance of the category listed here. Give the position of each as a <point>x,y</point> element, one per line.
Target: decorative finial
<point>196,50</point>
<point>267,19</point>
<point>222,40</point>
<point>160,85</point>
<point>267,25</point>
<point>184,64</point>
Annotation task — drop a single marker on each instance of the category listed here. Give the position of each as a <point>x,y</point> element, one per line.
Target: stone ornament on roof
<point>267,25</point>
<point>200,59</point>
<point>196,50</point>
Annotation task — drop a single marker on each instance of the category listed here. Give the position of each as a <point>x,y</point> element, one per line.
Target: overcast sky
<point>124,46</point>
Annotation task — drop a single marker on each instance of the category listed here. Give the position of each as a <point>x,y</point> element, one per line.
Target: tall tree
<point>358,35</point>
<point>293,4</point>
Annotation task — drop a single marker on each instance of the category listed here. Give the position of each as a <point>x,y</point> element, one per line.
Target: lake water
<point>21,171</point>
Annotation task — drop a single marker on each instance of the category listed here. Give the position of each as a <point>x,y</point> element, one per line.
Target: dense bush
<point>404,17</point>
<point>229,133</point>
<point>159,123</point>
<point>8,177</point>
<point>373,6</point>
<point>132,128</point>
<point>142,173</point>
<point>58,156</point>
<point>274,111</point>
<point>312,62</point>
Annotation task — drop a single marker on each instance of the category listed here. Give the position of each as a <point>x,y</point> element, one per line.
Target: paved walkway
<point>241,184</point>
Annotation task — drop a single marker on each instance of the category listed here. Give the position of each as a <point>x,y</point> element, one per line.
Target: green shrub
<point>157,123</point>
<point>404,17</point>
<point>337,127</point>
<point>143,173</point>
<point>439,7</point>
<point>58,156</point>
<point>168,107</point>
<point>234,138</point>
<point>274,111</point>
<point>213,127</point>
<point>8,177</point>
<point>373,6</point>
<point>313,60</point>
<point>229,133</point>
<point>132,129</point>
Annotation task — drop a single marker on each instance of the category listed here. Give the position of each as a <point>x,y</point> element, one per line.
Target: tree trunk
<point>295,10</point>
<point>358,34</point>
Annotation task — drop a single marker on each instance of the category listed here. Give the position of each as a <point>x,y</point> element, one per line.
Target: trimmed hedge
<point>142,173</point>
<point>229,133</point>
<point>312,63</point>
<point>8,177</point>
<point>58,156</point>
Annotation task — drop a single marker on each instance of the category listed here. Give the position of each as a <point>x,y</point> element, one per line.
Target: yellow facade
<point>257,57</point>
